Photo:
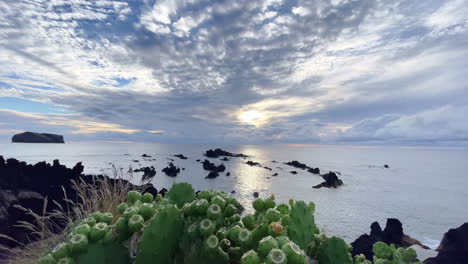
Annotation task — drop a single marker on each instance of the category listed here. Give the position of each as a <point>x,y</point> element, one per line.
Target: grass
<point>99,195</point>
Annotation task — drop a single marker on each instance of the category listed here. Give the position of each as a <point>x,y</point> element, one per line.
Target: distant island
<point>32,137</point>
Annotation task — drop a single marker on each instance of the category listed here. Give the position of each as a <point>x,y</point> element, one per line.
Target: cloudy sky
<point>244,71</point>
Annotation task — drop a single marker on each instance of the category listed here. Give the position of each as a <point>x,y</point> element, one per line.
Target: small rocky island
<point>32,137</point>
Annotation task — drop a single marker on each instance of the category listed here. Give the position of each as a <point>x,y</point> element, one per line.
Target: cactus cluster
<point>185,227</point>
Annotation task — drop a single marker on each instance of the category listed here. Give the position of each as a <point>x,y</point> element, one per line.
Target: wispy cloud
<point>239,71</point>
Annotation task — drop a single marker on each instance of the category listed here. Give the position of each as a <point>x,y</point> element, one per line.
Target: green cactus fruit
<point>129,212</point>
<point>47,259</point>
<point>91,221</point>
<point>382,250</point>
<point>233,233</point>
<point>249,221</point>
<point>282,240</point>
<point>109,237</point>
<point>121,225</point>
<point>207,227</point>
<point>206,194</point>
<point>301,227</point>
<point>234,219</point>
<point>225,244</point>
<point>181,193</point>
<point>147,198</point>
<point>136,223</point>
<point>96,216</point>
<point>250,257</point>
<point>276,256</point>
<point>221,234</point>
<point>192,230</point>
<point>66,261</point>
<point>235,254</point>
<point>163,232</point>
<point>244,238</point>
<point>219,201</point>
<point>272,215</point>
<point>361,259</point>
<point>122,207</point>
<point>213,212</point>
<point>60,251</point>
<point>146,210</point>
<point>211,242</point>
<point>107,218</point>
<point>294,254</point>
<point>269,203</point>
<point>230,200</point>
<point>159,197</point>
<point>285,220</point>
<point>334,250</point>
<point>133,197</point>
<point>283,209</point>
<point>189,208</point>
<point>275,229</point>
<point>98,231</point>
<point>259,205</point>
<point>230,210</point>
<point>78,243</point>
<point>266,245</point>
<point>83,229</point>
<point>201,206</point>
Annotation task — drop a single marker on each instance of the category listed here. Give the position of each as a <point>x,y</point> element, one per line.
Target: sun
<point>251,117</point>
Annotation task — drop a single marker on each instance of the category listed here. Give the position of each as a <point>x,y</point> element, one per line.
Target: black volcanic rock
<point>297,164</point>
<point>253,163</point>
<point>212,167</point>
<point>275,174</point>
<point>219,152</point>
<point>212,175</point>
<point>146,156</point>
<point>331,181</point>
<point>26,185</point>
<point>293,172</point>
<point>225,159</point>
<point>228,174</point>
<point>267,168</point>
<point>392,234</point>
<point>314,170</point>
<point>171,170</point>
<point>303,166</point>
<point>148,172</point>
<point>386,166</point>
<point>32,137</point>
<point>180,156</point>
<point>453,248</point>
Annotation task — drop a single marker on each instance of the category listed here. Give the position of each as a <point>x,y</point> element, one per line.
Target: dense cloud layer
<point>337,71</point>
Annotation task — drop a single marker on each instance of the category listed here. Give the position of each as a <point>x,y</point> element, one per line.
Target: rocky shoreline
<point>27,185</point>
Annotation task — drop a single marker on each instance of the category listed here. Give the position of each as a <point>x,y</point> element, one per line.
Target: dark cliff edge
<point>32,137</point>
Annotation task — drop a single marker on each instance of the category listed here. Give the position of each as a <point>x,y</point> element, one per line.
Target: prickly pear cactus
<point>333,251</point>
<point>301,223</point>
<point>160,238</point>
<point>112,253</point>
<point>181,193</point>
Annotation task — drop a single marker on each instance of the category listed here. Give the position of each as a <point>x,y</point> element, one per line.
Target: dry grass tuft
<point>99,195</point>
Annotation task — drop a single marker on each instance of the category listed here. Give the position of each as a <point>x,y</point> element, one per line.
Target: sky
<point>355,72</point>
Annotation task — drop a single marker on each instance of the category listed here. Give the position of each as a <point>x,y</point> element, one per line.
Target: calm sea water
<point>427,189</point>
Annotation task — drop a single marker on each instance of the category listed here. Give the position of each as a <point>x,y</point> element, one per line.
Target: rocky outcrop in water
<point>171,170</point>
<point>212,167</point>
<point>453,248</point>
<point>32,137</point>
<point>148,172</point>
<point>180,156</point>
<point>26,185</point>
<point>331,181</point>
<point>392,234</point>
<point>303,166</point>
<point>219,152</point>
<point>253,163</point>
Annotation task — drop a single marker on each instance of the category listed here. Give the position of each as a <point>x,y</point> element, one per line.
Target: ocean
<point>427,189</point>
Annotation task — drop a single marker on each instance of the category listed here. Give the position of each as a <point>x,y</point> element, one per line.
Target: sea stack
<point>32,137</point>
